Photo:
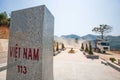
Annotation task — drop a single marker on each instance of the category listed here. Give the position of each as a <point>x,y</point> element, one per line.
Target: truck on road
<point>102,46</point>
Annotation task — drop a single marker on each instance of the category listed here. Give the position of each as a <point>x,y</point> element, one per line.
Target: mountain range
<point>86,37</point>
<point>71,36</point>
<point>114,40</point>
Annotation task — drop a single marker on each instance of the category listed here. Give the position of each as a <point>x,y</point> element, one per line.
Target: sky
<point>74,16</point>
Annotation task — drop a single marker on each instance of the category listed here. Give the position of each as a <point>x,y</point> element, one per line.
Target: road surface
<point>78,67</point>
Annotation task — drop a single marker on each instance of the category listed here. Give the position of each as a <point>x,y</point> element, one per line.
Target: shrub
<point>112,59</point>
<point>72,51</point>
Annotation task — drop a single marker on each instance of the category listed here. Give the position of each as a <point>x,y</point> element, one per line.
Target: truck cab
<point>103,45</point>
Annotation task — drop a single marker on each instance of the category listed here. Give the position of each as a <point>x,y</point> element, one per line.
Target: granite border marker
<point>30,51</point>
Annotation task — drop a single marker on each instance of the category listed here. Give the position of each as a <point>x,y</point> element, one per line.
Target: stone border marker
<point>30,51</point>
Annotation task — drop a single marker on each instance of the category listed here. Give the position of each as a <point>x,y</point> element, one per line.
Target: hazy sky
<point>74,16</point>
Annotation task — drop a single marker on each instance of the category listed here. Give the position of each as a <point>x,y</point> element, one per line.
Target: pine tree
<point>63,47</point>
<point>82,47</point>
<point>57,48</point>
<point>90,49</point>
<point>86,49</point>
<point>53,49</point>
<point>54,46</point>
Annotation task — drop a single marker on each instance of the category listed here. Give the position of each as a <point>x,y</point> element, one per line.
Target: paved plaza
<point>77,67</point>
<point>3,75</point>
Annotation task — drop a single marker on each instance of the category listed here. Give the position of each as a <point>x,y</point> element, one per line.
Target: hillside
<point>71,36</point>
<point>89,37</point>
<point>114,42</point>
<point>4,32</point>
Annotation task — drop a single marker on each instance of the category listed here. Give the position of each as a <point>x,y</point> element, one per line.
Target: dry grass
<point>117,52</point>
<point>4,32</point>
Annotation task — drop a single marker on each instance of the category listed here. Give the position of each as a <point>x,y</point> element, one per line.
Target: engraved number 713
<point>22,69</point>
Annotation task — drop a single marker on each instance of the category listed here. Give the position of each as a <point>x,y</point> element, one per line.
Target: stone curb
<point>57,52</point>
<point>3,67</point>
<point>94,56</point>
<point>113,65</point>
<point>116,67</point>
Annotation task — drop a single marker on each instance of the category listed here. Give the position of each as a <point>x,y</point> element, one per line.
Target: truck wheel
<point>104,51</point>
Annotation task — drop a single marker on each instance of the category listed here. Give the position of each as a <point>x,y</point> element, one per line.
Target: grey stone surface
<point>30,55</point>
<point>92,56</point>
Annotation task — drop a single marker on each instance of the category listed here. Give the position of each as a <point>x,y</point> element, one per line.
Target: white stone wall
<point>3,45</point>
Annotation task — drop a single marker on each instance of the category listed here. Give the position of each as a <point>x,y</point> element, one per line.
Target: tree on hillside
<point>4,20</point>
<point>76,40</point>
<point>102,29</point>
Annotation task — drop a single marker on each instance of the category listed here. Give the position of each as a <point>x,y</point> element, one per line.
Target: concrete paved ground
<point>3,75</point>
<point>78,67</point>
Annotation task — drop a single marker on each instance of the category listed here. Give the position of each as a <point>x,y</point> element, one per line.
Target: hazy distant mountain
<point>71,36</point>
<point>86,37</point>
<point>114,40</point>
<point>89,37</point>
